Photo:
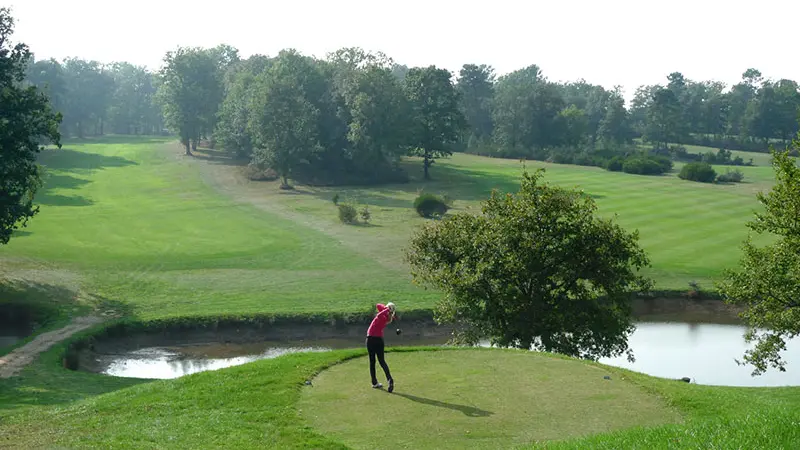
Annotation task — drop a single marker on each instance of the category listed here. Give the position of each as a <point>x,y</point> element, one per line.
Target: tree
<point>191,91</point>
<point>526,112</point>
<point>436,121</point>
<point>234,114</point>
<point>615,127</point>
<point>535,269</point>
<point>379,121</point>
<point>767,282</point>
<point>664,118</point>
<point>476,89</point>
<point>132,108</point>
<point>26,120</point>
<point>284,123</point>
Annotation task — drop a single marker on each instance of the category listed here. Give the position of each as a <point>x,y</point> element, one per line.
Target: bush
<point>365,215</point>
<point>729,176</point>
<point>615,164</point>
<point>645,165</point>
<point>347,213</point>
<point>336,199</point>
<point>429,205</point>
<point>254,173</point>
<point>698,171</point>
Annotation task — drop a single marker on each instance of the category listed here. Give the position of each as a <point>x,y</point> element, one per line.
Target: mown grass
<point>265,405</point>
<point>691,231</point>
<point>135,223</point>
<point>475,399</point>
<point>132,226</point>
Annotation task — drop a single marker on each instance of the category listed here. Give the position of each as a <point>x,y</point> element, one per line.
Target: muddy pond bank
<point>675,338</point>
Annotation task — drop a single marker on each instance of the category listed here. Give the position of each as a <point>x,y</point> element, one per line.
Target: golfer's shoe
<point>377,386</point>
<point>391,385</point>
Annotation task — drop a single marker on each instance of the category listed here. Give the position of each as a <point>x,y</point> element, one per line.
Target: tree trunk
<point>188,148</point>
<point>426,164</point>
<point>194,145</point>
<point>80,130</point>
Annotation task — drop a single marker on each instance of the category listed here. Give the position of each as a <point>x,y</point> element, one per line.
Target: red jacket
<point>380,321</point>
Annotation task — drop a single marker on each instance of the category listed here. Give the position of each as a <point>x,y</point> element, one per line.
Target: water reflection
<point>704,352</point>
<point>166,363</point>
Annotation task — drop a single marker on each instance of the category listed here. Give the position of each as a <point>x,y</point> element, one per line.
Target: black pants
<point>375,348</point>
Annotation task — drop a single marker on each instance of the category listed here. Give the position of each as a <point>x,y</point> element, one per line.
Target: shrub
<point>735,176</point>
<point>254,173</point>
<point>645,165</point>
<point>365,215</point>
<point>429,205</point>
<point>448,200</point>
<point>336,199</point>
<point>698,171</point>
<point>347,213</point>
<point>615,164</point>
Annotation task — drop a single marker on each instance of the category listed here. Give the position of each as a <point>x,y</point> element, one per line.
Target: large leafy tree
<point>476,89</point>
<point>664,118</point>
<point>133,109</point>
<point>767,282</point>
<point>537,269</point>
<point>284,121</point>
<point>26,121</point>
<point>436,120</point>
<point>379,120</point>
<point>234,114</point>
<point>191,90</point>
<point>527,111</point>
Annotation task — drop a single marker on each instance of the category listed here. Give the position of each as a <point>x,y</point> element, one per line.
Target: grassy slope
<point>256,406</point>
<point>475,399</point>
<point>692,231</point>
<point>136,226</point>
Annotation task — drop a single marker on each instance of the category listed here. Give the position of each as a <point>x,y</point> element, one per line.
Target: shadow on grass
<point>467,410</point>
<point>216,156</point>
<point>76,161</point>
<point>47,383</point>
<point>25,300</point>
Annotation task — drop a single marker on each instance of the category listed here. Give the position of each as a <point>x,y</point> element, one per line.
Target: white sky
<point>609,42</point>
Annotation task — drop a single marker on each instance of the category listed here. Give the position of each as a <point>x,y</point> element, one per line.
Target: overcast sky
<point>610,42</point>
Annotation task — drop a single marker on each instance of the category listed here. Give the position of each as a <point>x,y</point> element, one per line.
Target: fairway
<point>691,231</point>
<point>134,224</point>
<point>475,399</point>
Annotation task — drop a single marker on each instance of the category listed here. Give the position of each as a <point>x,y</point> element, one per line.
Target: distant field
<point>135,223</point>
<point>691,230</point>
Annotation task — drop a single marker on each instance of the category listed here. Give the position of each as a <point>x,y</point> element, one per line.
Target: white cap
<point>391,306</point>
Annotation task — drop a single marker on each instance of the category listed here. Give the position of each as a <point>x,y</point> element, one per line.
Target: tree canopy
<point>767,281</point>
<point>537,269</point>
<point>26,122</point>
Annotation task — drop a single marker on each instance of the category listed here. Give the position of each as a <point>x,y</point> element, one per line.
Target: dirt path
<point>13,363</point>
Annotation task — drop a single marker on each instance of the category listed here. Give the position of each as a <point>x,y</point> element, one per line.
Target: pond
<point>704,352</point>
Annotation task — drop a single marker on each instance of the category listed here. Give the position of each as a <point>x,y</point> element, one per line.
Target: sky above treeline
<point>611,42</point>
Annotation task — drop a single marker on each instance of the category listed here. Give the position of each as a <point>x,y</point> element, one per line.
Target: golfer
<point>384,316</point>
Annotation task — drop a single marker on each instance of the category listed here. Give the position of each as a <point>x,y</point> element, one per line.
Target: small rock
<point>606,377</point>
<point>308,382</point>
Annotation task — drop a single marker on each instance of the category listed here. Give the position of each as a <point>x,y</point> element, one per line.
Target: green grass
<point>131,225</point>
<point>475,399</point>
<point>134,223</point>
<point>265,405</point>
<point>691,231</point>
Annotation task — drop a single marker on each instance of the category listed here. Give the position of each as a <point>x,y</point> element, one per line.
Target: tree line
<point>349,117</point>
<point>95,98</point>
